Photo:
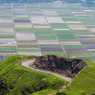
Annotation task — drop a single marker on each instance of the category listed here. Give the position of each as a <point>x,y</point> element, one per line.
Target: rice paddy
<point>43,28</point>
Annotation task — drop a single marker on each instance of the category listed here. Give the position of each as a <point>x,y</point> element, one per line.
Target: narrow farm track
<point>27,63</point>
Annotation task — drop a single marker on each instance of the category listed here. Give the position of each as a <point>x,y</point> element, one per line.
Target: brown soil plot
<point>88,42</point>
<point>41,26</point>
<point>76,51</point>
<point>77,27</point>
<point>85,36</point>
<point>51,49</point>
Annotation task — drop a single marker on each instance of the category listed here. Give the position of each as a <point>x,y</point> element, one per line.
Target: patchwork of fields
<point>41,29</point>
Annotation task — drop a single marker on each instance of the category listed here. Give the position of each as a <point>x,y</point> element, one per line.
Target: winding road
<point>27,63</point>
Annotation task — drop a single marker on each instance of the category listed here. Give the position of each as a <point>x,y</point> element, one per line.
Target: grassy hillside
<point>84,83</point>
<point>18,80</point>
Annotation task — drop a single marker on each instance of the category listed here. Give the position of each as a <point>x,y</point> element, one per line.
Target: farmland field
<point>46,28</point>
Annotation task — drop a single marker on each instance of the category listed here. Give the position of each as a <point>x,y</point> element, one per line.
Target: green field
<point>23,29</point>
<point>43,31</point>
<point>59,26</point>
<point>7,36</point>
<point>86,19</point>
<point>82,32</point>
<point>91,13</point>
<point>2,25</point>
<point>63,31</point>
<point>7,48</point>
<point>27,44</point>
<point>66,37</point>
<point>21,18</point>
<point>45,36</point>
<point>54,53</point>
<point>69,18</point>
<point>90,26</point>
<point>73,47</point>
<point>54,30</point>
<point>5,13</point>
<point>28,49</point>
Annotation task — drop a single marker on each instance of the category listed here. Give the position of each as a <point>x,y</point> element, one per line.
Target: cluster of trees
<point>83,2</point>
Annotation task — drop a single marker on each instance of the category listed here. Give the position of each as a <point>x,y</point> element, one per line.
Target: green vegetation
<point>86,19</point>
<point>7,36</point>
<point>69,18</point>
<point>77,10</point>
<point>91,13</point>
<point>74,47</point>
<point>28,49</point>
<point>26,41</point>
<point>24,29</point>
<point>19,80</point>
<point>55,53</point>
<point>65,36</point>
<point>6,25</point>
<point>21,18</point>
<point>43,92</point>
<point>6,13</point>
<point>43,31</point>
<point>63,31</point>
<point>59,26</point>
<point>82,32</point>
<point>27,44</point>
<point>84,83</point>
<point>7,48</point>
<point>90,26</point>
<point>45,36</point>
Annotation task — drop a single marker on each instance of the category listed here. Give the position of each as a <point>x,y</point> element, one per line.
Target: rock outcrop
<point>68,67</point>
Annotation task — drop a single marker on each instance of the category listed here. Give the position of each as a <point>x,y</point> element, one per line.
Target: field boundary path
<point>27,63</point>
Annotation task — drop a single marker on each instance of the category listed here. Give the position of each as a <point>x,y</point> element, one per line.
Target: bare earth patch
<point>77,27</point>
<point>41,26</point>
<point>69,67</point>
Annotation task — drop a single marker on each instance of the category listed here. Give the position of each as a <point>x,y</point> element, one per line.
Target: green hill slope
<point>18,80</point>
<point>84,83</point>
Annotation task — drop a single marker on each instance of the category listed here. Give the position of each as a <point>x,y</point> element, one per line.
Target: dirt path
<point>26,64</point>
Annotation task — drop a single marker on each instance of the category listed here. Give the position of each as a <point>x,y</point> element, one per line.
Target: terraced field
<point>42,28</point>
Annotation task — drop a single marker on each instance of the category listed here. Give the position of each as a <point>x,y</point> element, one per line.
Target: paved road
<point>26,64</point>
